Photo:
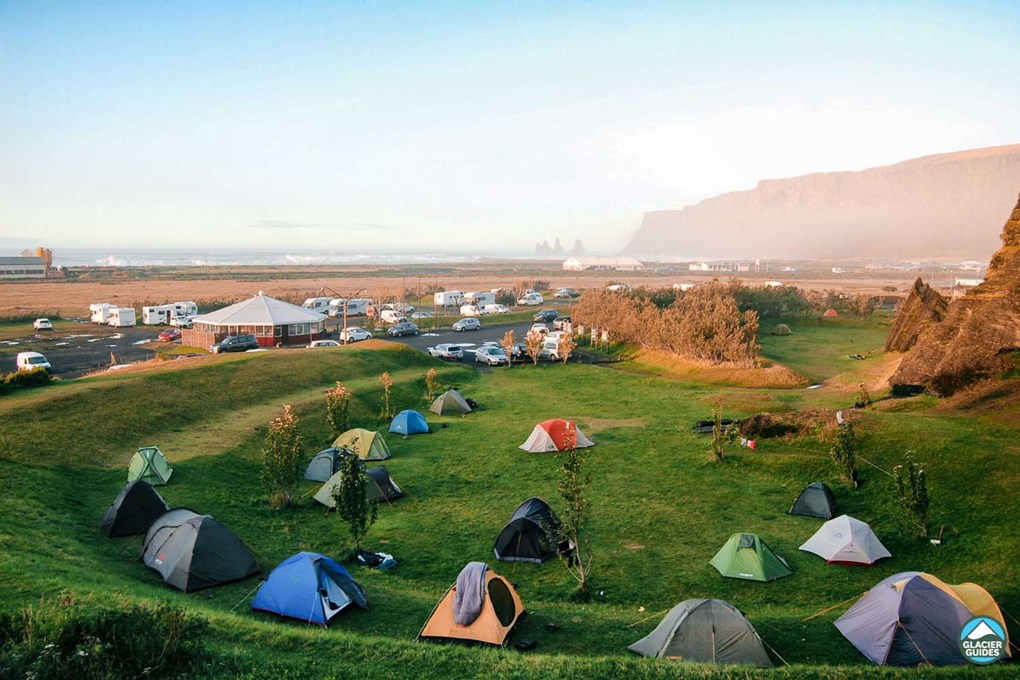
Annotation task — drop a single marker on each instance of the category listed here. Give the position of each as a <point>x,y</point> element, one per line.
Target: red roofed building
<point>274,322</point>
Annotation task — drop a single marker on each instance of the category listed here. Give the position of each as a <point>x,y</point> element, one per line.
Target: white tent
<point>556,435</point>
<point>845,540</point>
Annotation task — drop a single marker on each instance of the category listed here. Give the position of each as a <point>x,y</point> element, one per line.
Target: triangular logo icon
<point>982,630</point>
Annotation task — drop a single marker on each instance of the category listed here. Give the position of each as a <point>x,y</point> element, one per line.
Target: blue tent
<point>409,422</point>
<point>309,587</point>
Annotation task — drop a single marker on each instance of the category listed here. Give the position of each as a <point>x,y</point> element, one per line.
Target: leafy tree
<point>282,458</point>
<point>507,343</point>
<point>338,409</point>
<point>533,344</point>
<point>431,385</point>
<point>350,495</point>
<point>912,493</point>
<point>567,345</point>
<point>844,453</point>
<point>387,383</point>
<point>576,518</point>
<point>863,396</point>
<point>722,435</point>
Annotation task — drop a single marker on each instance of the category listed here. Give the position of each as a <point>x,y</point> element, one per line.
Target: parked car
<point>323,343</point>
<point>170,334</point>
<point>493,356</point>
<point>555,335</point>
<point>26,361</point>
<point>566,293</point>
<point>539,328</point>
<point>392,316</point>
<point>235,343</point>
<point>42,325</point>
<point>531,299</point>
<point>354,334</point>
<point>468,324</point>
<point>495,309</point>
<point>182,321</point>
<point>561,322</point>
<point>550,350</point>
<point>421,314</point>
<point>403,328</point>
<point>447,351</point>
<point>519,352</point>
<point>546,315</point>
<point>470,310</point>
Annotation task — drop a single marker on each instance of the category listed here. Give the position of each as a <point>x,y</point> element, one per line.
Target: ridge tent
<point>846,540</point>
<point>193,551</point>
<point>526,537</point>
<point>747,556</point>
<point>325,463</point>
<point>708,631</point>
<point>781,329</point>
<point>450,403</point>
<point>816,500</point>
<point>830,313</point>
<point>913,618</point>
<point>408,423</point>
<point>150,465</point>
<point>379,487</point>
<point>556,435</point>
<point>136,507</point>
<point>309,587</point>
<point>366,444</point>
<point>500,610</point>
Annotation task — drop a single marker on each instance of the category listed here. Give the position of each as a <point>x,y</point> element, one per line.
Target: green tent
<point>366,444</point>
<point>379,487</point>
<point>450,403</point>
<point>150,465</point>
<point>781,329</point>
<point>747,556</point>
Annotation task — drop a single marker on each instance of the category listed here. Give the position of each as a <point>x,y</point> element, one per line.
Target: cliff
<point>923,306</point>
<point>935,206</point>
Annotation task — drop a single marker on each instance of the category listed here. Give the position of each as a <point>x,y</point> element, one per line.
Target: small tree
<point>507,343</point>
<point>533,344</point>
<point>338,409</point>
<point>431,385</point>
<point>912,493</point>
<point>352,505</point>
<point>281,458</point>
<point>844,453</point>
<point>387,383</point>
<point>863,396</point>
<point>574,521</point>
<point>567,345</point>
<point>722,435</point>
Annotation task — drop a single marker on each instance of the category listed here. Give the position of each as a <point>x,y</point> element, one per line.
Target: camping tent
<point>408,423</point>
<point>194,551</point>
<point>830,313</point>
<point>135,508</point>
<point>379,487</point>
<point>781,329</point>
<point>450,403</point>
<point>556,435</point>
<point>846,540</point>
<point>709,631</point>
<point>816,500</point>
<point>497,607</point>
<point>913,618</point>
<point>747,556</point>
<point>149,464</point>
<point>309,587</point>
<point>367,444</point>
<point>325,463</point>
<point>530,535</point>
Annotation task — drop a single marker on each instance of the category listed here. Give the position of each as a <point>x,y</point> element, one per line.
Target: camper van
<point>470,310</point>
<point>355,307</point>
<point>157,315</point>
<point>100,312</point>
<point>121,317</point>
<point>480,299</point>
<point>317,304</point>
<point>495,309</point>
<point>449,298</point>
<point>184,308</point>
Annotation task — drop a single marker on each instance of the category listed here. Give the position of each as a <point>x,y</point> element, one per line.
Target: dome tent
<point>707,631</point>
<point>366,444</point>
<point>556,435</point>
<point>530,534</point>
<point>830,313</point>
<point>495,611</point>
<point>134,510</point>
<point>309,587</point>
<point>408,423</point>
<point>450,403</point>
<point>781,329</point>
<point>846,540</point>
<point>816,500</point>
<point>325,463</point>
<point>379,487</point>
<point>747,556</point>
<point>150,465</point>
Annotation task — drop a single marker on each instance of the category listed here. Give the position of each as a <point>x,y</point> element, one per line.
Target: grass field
<point>661,510</point>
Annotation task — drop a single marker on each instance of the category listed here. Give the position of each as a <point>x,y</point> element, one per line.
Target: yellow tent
<point>366,444</point>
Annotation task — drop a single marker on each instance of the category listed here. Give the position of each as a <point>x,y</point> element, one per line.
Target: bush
<point>37,377</point>
<point>281,458</point>
<point>912,494</point>
<point>844,453</point>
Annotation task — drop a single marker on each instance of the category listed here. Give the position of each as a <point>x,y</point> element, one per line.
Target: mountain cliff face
<point>924,306</point>
<point>936,206</point>
<point>980,331</point>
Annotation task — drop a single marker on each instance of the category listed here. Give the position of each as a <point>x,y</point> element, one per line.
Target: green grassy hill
<point>661,510</point>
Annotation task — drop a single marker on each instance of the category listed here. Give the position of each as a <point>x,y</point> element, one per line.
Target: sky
<point>470,126</point>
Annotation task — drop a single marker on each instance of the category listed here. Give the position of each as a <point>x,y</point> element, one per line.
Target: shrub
<point>567,346</point>
<point>352,504</point>
<point>387,383</point>
<point>338,409</point>
<point>431,385</point>
<point>507,343</point>
<point>844,453</point>
<point>33,378</point>
<point>576,518</point>
<point>281,458</point>
<point>533,345</point>
<point>911,485</point>
<point>770,302</point>
<point>721,436</point>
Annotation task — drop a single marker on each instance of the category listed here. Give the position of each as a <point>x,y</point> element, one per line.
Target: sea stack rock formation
<point>923,306</point>
<point>980,331</point>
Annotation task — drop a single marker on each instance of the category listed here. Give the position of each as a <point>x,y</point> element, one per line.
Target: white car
<point>27,361</point>
<point>447,351</point>
<point>467,324</point>
<point>42,325</point>
<point>354,334</point>
<point>323,343</point>
<point>531,299</point>
<point>539,328</point>
<point>495,309</point>
<point>470,310</point>
<point>392,316</point>
<point>421,315</point>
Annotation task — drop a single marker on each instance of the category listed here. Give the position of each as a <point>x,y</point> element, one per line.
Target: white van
<point>121,317</point>
<point>392,316</point>
<point>317,304</point>
<point>532,299</point>
<point>29,360</point>
<point>495,309</point>
<point>470,310</point>
<point>100,312</point>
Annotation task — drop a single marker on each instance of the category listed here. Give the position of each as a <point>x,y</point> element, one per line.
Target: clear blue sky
<point>438,125</point>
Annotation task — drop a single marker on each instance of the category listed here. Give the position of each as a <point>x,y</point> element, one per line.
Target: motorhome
<point>449,298</point>
<point>317,304</point>
<point>184,308</point>
<point>355,306</point>
<point>100,312</point>
<point>480,299</point>
<point>157,315</point>
<point>121,317</point>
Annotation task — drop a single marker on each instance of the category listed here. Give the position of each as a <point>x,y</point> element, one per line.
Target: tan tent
<point>379,487</point>
<point>781,329</point>
<point>369,445</point>
<point>556,435</point>
<point>499,613</point>
<point>450,403</point>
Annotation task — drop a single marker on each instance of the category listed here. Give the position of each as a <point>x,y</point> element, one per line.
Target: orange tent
<point>830,312</point>
<point>500,611</point>
<point>556,435</point>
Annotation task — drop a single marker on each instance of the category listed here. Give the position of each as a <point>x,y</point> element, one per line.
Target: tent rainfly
<point>136,507</point>
<point>450,403</point>
<point>309,587</point>
<point>366,444</point>
<point>816,500</point>
<point>846,540</point>
<point>830,313</point>
<point>325,464</point>
<point>556,435</point>
<point>530,535</point>
<point>379,487</point>
<point>408,423</point>
<point>747,556</point>
<point>781,329</point>
<point>914,618</point>
<point>482,607</point>
<point>707,631</point>
<point>150,465</point>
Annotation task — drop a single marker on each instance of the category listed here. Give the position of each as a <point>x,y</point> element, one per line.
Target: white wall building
<point>622,264</point>
<point>22,268</point>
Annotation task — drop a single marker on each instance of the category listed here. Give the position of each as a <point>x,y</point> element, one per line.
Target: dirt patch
<point>633,546</point>
<point>790,425</point>
<point>774,375</point>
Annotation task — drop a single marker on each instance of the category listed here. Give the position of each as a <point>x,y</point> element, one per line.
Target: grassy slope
<point>661,511</point>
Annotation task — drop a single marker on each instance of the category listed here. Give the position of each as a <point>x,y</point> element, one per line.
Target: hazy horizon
<point>460,127</point>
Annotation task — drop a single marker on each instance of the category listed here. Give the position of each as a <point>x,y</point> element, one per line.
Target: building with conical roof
<point>273,322</point>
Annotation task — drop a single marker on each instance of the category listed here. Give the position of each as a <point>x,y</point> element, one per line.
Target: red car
<point>170,334</point>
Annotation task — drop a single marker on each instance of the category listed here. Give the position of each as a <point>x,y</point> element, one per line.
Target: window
<point>502,601</point>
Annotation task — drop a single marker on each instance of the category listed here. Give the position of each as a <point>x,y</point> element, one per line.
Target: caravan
<point>100,312</point>
<point>317,304</point>
<point>121,317</point>
<point>480,299</point>
<point>355,307</point>
<point>449,298</point>
<point>183,308</point>
<point>157,315</point>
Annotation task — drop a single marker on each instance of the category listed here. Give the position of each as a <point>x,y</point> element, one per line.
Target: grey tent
<point>781,329</point>
<point>450,403</point>
<point>325,464</point>
<point>816,500</point>
<point>530,535</point>
<point>193,551</point>
<point>136,507</point>
<point>380,487</point>
<point>709,631</point>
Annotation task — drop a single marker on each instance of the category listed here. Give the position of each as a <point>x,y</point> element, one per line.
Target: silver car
<point>446,351</point>
<point>493,356</point>
<point>467,324</point>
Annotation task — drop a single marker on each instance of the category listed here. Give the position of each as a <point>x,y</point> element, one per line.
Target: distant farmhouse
<point>22,268</point>
<point>621,264</point>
